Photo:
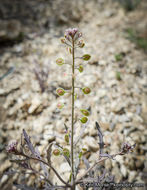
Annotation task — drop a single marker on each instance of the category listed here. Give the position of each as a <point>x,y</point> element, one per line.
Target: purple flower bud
<point>12,147</point>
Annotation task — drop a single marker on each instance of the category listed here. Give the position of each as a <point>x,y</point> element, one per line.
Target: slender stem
<point>72,117</point>
<point>56,173</point>
<point>97,162</point>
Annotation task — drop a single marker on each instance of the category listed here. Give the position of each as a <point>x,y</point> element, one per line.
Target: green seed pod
<point>60,61</point>
<point>75,96</point>
<point>60,91</point>
<point>56,152</point>
<point>85,112</point>
<point>66,138</point>
<point>80,154</point>
<point>80,68</point>
<point>66,152</point>
<point>86,90</point>
<point>60,105</point>
<point>84,149</point>
<point>84,119</point>
<point>86,57</point>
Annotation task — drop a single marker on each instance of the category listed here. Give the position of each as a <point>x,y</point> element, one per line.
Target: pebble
<point>91,143</point>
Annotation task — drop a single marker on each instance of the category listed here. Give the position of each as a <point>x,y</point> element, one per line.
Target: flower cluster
<point>12,147</point>
<point>72,33</point>
<point>126,148</point>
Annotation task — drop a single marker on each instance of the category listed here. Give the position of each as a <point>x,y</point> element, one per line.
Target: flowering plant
<point>27,152</point>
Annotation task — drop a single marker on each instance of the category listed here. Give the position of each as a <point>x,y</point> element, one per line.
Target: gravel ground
<point>119,89</point>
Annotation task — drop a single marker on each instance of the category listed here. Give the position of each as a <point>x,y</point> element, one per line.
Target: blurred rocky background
<point>115,34</point>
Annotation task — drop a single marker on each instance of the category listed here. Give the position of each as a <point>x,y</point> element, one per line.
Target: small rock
<point>91,143</point>
<point>34,105</point>
<point>132,176</point>
<point>123,170</point>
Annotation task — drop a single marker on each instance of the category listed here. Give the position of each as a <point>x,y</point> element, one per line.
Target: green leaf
<point>118,76</point>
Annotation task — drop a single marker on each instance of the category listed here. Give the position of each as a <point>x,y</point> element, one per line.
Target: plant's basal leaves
<point>24,187</point>
<point>49,151</point>
<point>101,143</point>
<point>27,140</point>
<point>43,166</point>
<point>86,162</point>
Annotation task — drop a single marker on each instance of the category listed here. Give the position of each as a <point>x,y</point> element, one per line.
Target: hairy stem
<point>72,116</point>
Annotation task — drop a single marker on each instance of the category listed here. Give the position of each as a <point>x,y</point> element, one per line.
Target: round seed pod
<point>84,119</point>
<point>60,61</point>
<point>86,57</point>
<point>85,112</point>
<point>56,152</point>
<point>60,91</point>
<point>66,152</point>
<point>86,90</point>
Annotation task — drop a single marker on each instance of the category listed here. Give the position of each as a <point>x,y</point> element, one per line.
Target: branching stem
<point>40,160</point>
<point>97,162</point>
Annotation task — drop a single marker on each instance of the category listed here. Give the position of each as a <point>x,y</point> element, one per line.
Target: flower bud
<point>86,90</point>
<point>56,152</point>
<point>81,44</point>
<point>84,119</point>
<point>60,91</point>
<point>66,152</point>
<point>60,105</point>
<point>63,40</point>
<point>60,61</point>
<point>80,68</point>
<point>85,112</point>
<point>66,138</point>
<point>69,50</point>
<point>86,57</point>
<point>12,147</point>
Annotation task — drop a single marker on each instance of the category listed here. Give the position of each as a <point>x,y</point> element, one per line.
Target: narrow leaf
<point>49,151</point>
<point>86,162</point>
<point>27,140</point>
